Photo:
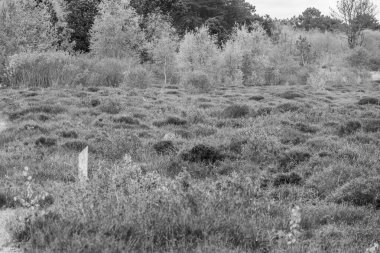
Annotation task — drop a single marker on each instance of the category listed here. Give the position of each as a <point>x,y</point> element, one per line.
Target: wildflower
<point>295,229</point>
<point>374,249</point>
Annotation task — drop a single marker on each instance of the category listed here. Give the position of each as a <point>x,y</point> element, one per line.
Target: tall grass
<point>62,69</point>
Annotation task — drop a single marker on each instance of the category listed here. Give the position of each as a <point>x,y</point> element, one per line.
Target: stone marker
<point>83,166</point>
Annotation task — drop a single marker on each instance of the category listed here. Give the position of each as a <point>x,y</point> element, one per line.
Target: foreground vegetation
<point>260,137</point>
<point>177,171</point>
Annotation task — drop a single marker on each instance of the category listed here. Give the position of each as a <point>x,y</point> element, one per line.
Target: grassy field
<point>215,172</point>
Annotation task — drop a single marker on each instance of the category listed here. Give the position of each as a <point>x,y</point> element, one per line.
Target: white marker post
<point>83,166</point>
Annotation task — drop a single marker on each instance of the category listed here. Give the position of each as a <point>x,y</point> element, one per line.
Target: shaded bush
<point>290,95</point>
<point>305,128</point>
<point>110,106</point>
<point>235,111</point>
<point>115,145</point>
<point>288,107</point>
<point>69,134</point>
<point>197,80</point>
<point>164,147</point>
<point>290,136</point>
<point>94,102</point>
<point>46,141</point>
<point>202,154</point>
<point>203,131</point>
<point>369,101</point>
<point>263,111</point>
<point>77,145</point>
<point>257,98</point>
<point>283,179</point>
<point>93,89</point>
<point>359,58</point>
<point>48,109</point>
<point>349,128</point>
<point>170,121</point>
<point>372,126</point>
<point>137,77</point>
<point>46,69</point>
<point>291,159</point>
<point>359,192</point>
<point>126,120</point>
<point>183,134</point>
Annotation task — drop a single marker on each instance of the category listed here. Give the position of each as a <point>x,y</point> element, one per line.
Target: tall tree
<point>352,13</point>
<point>80,18</point>
<point>116,31</point>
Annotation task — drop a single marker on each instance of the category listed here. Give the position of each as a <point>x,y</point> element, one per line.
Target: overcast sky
<point>289,8</point>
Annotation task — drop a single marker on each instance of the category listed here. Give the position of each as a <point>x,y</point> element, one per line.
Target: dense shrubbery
<point>61,69</point>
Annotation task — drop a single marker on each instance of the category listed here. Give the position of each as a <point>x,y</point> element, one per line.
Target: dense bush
<point>197,80</point>
<point>235,111</point>
<point>61,69</point>
<point>137,77</point>
<point>359,192</point>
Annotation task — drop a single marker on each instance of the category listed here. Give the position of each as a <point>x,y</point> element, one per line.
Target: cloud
<point>289,8</point>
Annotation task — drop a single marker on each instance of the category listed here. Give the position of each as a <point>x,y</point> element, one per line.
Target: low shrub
<point>114,146</point>
<point>202,154</point>
<point>235,111</point>
<point>349,128</point>
<point>76,145</point>
<point>359,58</point>
<point>288,107</point>
<point>46,141</point>
<point>164,147</point>
<point>371,126</point>
<point>110,106</point>
<point>291,159</point>
<point>290,136</point>
<point>257,98</point>
<point>197,80</point>
<point>170,121</point>
<point>94,102</point>
<point>331,177</point>
<point>290,95</point>
<point>126,120</point>
<point>45,69</point>
<point>48,109</point>
<point>305,128</point>
<point>285,179</point>
<point>369,101</point>
<point>137,77</point>
<point>359,192</point>
<point>69,134</point>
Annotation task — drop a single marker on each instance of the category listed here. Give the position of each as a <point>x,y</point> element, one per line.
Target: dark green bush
<point>359,192</point>
<point>291,159</point>
<point>126,120</point>
<point>369,101</point>
<point>197,80</point>
<point>46,141</point>
<point>284,179</point>
<point>110,106</point>
<point>76,145</point>
<point>202,154</point>
<point>170,121</point>
<point>372,126</point>
<point>164,147</point>
<point>137,77</point>
<point>236,111</point>
<point>349,128</point>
